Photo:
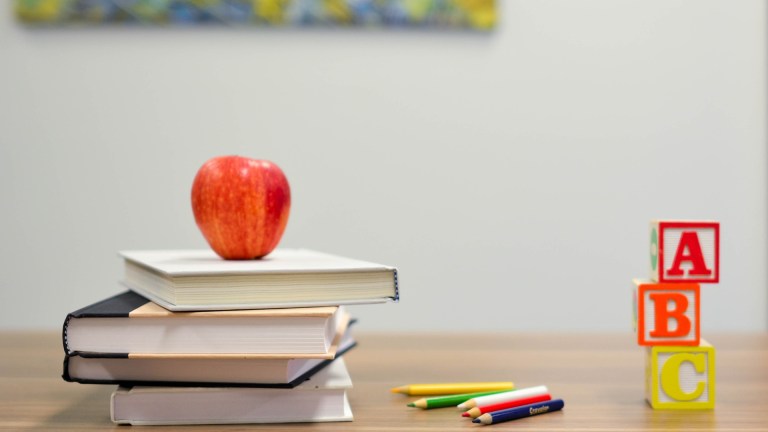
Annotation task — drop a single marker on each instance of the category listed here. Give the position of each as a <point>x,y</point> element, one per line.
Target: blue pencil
<point>520,412</point>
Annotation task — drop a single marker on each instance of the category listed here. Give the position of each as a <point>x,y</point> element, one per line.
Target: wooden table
<point>599,376</point>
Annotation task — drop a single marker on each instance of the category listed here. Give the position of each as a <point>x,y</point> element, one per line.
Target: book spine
<point>64,328</point>
<point>65,373</point>
<point>397,287</point>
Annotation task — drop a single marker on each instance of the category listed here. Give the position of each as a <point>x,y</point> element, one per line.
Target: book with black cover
<point>187,280</point>
<point>122,369</point>
<point>129,323</point>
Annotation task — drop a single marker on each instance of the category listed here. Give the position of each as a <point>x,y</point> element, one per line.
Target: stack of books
<point>201,340</point>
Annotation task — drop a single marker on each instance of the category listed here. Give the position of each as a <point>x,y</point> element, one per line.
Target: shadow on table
<point>89,409</point>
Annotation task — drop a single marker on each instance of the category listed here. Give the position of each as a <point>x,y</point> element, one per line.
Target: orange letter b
<point>662,314</point>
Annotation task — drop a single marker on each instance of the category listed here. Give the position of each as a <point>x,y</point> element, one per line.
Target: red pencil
<point>478,411</point>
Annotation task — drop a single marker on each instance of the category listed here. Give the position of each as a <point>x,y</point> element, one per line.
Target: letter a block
<point>680,378</point>
<point>685,251</point>
<point>667,313</point>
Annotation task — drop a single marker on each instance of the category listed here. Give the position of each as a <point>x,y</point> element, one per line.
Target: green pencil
<point>450,401</point>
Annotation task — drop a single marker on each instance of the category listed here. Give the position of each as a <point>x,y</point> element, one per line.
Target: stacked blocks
<point>680,365</point>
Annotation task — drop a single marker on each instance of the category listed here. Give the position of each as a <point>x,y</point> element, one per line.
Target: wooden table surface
<point>599,376</point>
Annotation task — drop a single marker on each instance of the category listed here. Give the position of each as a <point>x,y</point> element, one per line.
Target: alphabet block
<point>685,251</point>
<point>680,378</point>
<point>668,313</point>
<point>634,307</point>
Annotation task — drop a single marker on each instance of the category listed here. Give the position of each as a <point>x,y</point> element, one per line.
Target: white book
<point>322,398</point>
<point>185,280</point>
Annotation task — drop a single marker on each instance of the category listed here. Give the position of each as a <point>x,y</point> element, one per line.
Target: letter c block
<point>680,378</point>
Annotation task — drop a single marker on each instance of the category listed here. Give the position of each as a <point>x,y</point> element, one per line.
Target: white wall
<point>509,176</point>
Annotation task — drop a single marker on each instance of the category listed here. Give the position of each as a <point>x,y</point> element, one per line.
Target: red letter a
<point>661,302</point>
<point>689,241</point>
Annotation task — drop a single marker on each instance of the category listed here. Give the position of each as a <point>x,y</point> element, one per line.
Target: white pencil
<point>503,397</point>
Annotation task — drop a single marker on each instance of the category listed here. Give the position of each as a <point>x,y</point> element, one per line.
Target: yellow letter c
<point>670,376</point>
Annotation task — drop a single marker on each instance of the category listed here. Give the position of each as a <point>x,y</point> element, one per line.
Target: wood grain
<point>599,376</point>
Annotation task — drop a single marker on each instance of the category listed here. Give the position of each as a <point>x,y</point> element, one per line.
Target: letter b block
<point>685,251</point>
<point>680,378</point>
<point>667,313</point>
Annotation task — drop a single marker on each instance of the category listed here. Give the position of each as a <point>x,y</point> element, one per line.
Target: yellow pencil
<point>452,388</point>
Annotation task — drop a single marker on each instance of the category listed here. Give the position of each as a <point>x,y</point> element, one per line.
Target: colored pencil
<point>479,410</point>
<point>520,412</point>
<point>448,401</point>
<point>452,388</point>
<point>503,397</point>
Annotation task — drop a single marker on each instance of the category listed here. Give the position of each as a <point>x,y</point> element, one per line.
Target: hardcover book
<point>322,398</point>
<point>126,370</point>
<point>186,280</point>
<point>129,323</point>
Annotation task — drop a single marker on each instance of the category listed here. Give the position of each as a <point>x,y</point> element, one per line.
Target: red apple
<point>241,206</point>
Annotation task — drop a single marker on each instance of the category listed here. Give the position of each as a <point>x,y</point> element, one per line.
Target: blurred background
<point>510,174</point>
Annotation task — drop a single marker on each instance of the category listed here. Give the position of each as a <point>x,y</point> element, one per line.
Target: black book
<point>128,340</point>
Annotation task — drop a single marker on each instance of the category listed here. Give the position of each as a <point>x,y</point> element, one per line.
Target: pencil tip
<point>395,390</point>
<point>477,420</point>
<point>411,404</point>
<point>465,414</point>
<point>460,406</point>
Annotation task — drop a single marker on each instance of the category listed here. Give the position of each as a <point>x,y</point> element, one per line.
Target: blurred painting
<point>466,14</point>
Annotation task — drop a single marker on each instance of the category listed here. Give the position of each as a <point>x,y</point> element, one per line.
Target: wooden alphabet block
<point>680,378</point>
<point>685,251</point>
<point>668,313</point>
<point>634,307</point>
